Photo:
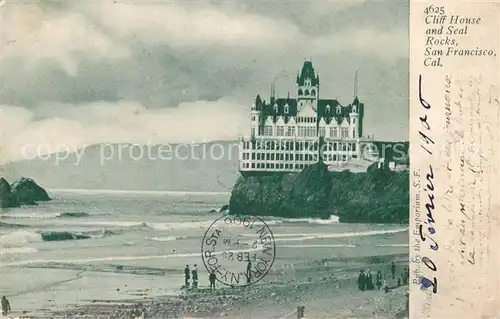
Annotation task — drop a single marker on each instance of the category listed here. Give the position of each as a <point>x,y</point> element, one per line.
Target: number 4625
<point>434,10</point>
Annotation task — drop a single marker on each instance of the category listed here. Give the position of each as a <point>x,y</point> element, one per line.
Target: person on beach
<point>361,280</point>
<point>144,314</point>
<point>249,273</point>
<point>406,276</point>
<point>186,276</point>
<point>369,281</point>
<point>5,306</point>
<point>136,313</point>
<point>195,277</point>
<point>211,279</point>
<point>378,280</point>
<point>386,286</point>
<point>393,269</point>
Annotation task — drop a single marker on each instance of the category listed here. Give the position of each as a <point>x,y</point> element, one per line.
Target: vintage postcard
<point>455,144</point>
<point>249,159</point>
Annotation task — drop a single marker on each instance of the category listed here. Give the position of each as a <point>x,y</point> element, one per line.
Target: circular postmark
<point>238,250</point>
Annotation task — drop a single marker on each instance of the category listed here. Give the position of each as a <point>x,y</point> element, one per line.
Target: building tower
<point>307,87</point>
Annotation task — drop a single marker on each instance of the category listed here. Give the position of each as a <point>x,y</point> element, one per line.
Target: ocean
<point>87,246</point>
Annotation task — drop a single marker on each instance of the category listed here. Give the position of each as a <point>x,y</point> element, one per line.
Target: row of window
<point>308,131</point>
<point>297,146</point>
<point>264,165</point>
<point>286,166</point>
<point>286,109</point>
<point>280,157</point>
<point>306,92</point>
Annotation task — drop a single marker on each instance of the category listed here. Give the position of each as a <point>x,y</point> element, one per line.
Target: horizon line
<point>131,191</point>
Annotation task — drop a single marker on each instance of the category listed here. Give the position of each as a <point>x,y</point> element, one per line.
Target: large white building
<point>289,134</point>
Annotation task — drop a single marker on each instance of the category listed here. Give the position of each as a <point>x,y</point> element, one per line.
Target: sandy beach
<point>325,292</point>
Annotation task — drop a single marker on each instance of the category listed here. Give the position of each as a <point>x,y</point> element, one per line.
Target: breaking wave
<point>304,236</point>
<point>22,237</point>
<point>73,215</point>
<point>332,220</point>
<point>17,250</point>
<point>44,215</point>
<point>166,238</point>
<point>8,225</point>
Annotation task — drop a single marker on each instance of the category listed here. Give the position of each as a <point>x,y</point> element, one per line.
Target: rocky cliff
<point>377,196</point>
<point>22,192</point>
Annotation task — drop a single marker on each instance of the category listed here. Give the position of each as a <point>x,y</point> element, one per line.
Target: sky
<point>86,72</point>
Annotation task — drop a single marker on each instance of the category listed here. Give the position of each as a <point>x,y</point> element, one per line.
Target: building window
<point>338,109</point>
<point>306,92</point>
<point>301,131</point>
<point>327,109</point>
<point>287,109</point>
<point>334,132</point>
<point>354,121</point>
<point>322,131</point>
<point>253,118</point>
<point>313,92</point>
<point>280,131</point>
<point>300,92</point>
<point>253,131</point>
<point>344,133</point>
<point>268,130</point>
<point>291,131</point>
<point>354,132</point>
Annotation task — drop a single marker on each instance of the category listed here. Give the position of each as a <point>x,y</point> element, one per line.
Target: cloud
<point>387,45</point>
<point>34,33</point>
<point>56,127</point>
<point>191,25</point>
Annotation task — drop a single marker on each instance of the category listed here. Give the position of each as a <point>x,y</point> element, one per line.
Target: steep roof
<point>307,72</point>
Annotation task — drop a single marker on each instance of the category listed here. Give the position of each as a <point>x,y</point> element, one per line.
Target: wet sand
<point>324,290</point>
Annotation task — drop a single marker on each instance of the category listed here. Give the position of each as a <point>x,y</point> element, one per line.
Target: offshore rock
<point>6,198</point>
<point>375,196</point>
<point>22,192</point>
<point>27,192</point>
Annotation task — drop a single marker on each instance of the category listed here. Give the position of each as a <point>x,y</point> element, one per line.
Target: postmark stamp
<point>238,250</point>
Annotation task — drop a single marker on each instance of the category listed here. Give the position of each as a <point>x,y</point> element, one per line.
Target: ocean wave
<point>134,225</point>
<point>17,250</point>
<point>23,237</point>
<point>19,238</point>
<point>134,192</point>
<point>73,215</point>
<point>301,237</point>
<point>166,238</point>
<point>318,246</point>
<point>44,215</point>
<point>308,236</point>
<point>332,220</point>
<point>8,225</point>
<point>34,215</point>
<point>118,258</point>
<point>393,245</point>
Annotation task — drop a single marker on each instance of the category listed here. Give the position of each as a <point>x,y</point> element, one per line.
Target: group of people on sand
<point>191,274</point>
<point>138,312</point>
<point>366,281</point>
